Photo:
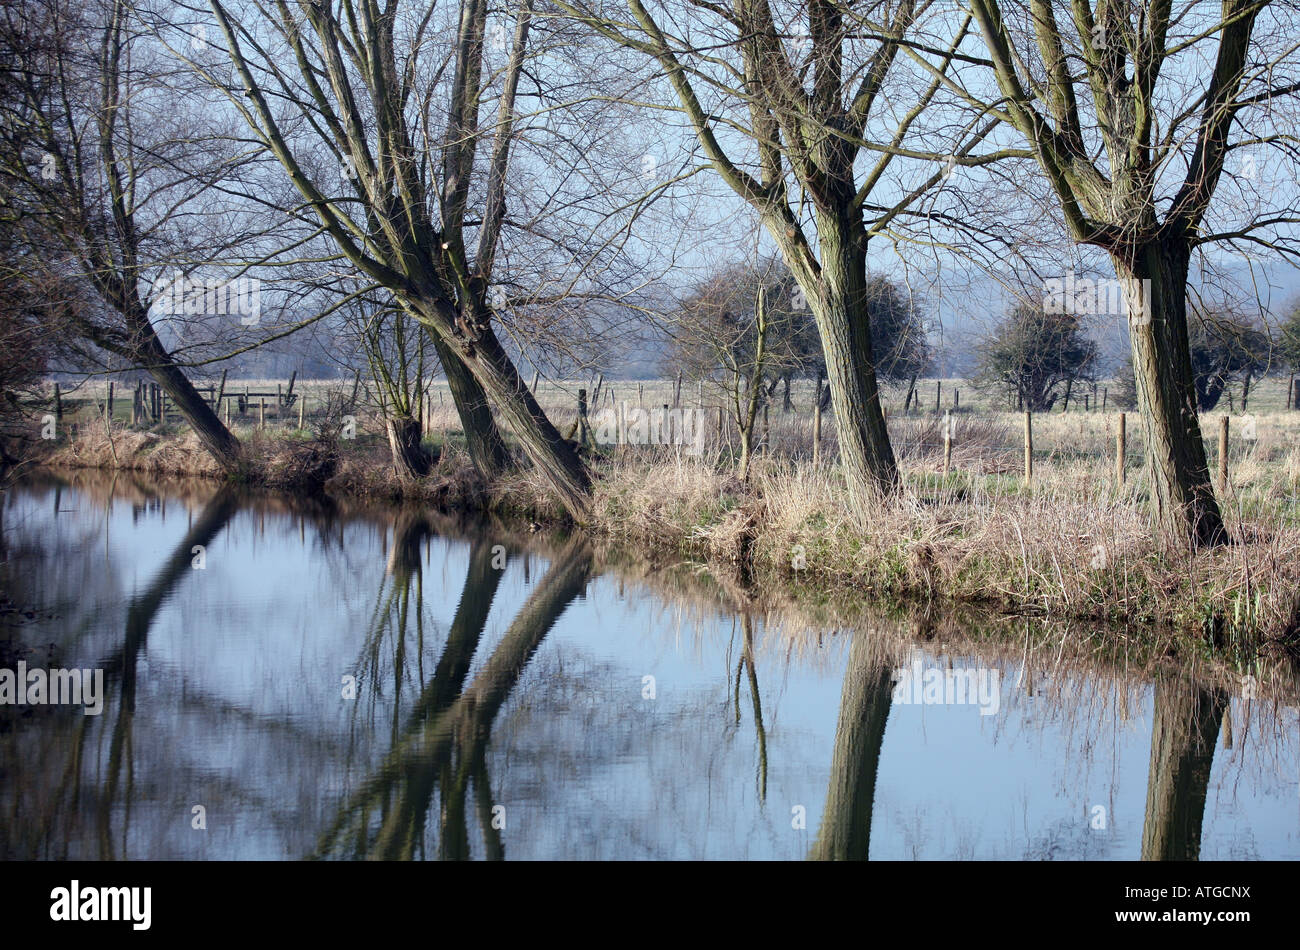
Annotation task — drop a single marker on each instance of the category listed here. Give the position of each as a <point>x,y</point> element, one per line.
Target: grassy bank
<point>1074,544</point>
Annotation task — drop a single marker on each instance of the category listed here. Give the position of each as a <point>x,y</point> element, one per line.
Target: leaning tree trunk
<point>839,306</point>
<point>1155,289</point>
<point>203,419</point>
<point>1185,723</point>
<point>491,367</point>
<point>404,438</point>
<point>487,449</point>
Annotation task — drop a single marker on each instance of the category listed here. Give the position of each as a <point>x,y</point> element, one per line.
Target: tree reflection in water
<point>441,750</point>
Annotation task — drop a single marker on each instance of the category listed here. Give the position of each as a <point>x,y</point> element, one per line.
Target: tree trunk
<point>404,437</point>
<point>1155,284</point>
<point>203,419</point>
<point>746,451</point>
<point>1185,724</point>
<point>410,528</point>
<point>487,449</point>
<point>754,387</point>
<point>496,373</point>
<point>839,305</point>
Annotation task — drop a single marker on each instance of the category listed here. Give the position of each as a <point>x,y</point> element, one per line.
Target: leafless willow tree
<point>1132,110</point>
<point>401,361</point>
<point>404,99</point>
<point>108,174</point>
<point>804,109</point>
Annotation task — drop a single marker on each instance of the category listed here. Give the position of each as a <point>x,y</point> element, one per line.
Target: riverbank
<point>1071,546</point>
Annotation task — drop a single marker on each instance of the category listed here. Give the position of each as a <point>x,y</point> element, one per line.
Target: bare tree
<point>1226,346</point>
<point>1131,110</point>
<point>32,321</point>
<point>400,357</point>
<point>99,185</point>
<point>732,332</point>
<point>360,87</point>
<point>802,109</point>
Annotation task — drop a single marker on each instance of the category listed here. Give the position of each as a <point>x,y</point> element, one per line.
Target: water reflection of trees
<point>429,791</point>
<point>1187,720</point>
<point>1192,711</point>
<point>66,794</point>
<point>845,833</point>
<point>440,752</point>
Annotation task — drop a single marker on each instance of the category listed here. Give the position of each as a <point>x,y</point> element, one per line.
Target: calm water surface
<point>380,684</point>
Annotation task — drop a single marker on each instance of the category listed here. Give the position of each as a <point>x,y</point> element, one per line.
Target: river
<point>290,678</point>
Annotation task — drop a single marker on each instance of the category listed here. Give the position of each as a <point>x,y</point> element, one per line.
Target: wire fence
<point>941,425</point>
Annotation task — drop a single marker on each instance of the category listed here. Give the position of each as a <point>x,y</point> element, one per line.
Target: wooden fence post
<point>584,430</point>
<point>108,404</point>
<point>1029,447</point>
<point>261,412</point>
<point>938,392</point>
<point>58,403</point>
<point>302,411</point>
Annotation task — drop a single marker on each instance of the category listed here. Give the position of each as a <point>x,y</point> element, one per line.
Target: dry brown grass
<point>1063,549</point>
<point>96,447</point>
